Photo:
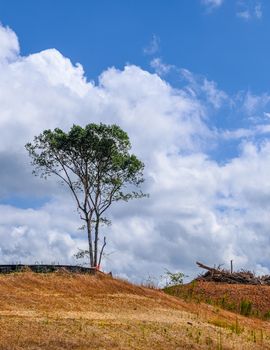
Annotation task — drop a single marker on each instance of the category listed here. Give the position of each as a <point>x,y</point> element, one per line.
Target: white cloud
<point>198,208</point>
<point>254,106</point>
<point>214,95</point>
<point>160,67</point>
<point>246,9</point>
<point>249,9</point>
<point>198,86</point>
<point>212,3</point>
<point>258,10</point>
<point>244,14</point>
<point>9,46</point>
<point>153,46</point>
<point>243,133</point>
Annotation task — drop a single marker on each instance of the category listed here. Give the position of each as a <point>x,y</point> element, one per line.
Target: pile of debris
<point>216,274</point>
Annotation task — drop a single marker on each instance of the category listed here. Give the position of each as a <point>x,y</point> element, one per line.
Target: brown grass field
<point>72,311</point>
<point>251,300</point>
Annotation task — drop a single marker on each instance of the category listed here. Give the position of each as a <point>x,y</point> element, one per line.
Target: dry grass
<point>66,311</point>
<point>246,299</point>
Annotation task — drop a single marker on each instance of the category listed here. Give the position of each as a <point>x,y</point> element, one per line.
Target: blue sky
<point>216,42</point>
<point>189,82</point>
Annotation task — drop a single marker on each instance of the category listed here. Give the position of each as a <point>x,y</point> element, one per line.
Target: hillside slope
<point>71,311</point>
<point>251,300</point>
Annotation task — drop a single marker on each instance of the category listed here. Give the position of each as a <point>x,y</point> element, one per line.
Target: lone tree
<point>96,164</point>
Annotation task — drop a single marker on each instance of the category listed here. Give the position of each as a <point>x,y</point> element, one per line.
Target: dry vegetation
<point>68,311</point>
<point>248,300</point>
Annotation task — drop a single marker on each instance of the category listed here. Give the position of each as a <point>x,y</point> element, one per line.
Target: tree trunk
<point>101,251</point>
<point>89,233</point>
<point>96,242</point>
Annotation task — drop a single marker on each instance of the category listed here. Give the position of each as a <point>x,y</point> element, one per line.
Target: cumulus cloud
<point>9,45</point>
<point>199,208</point>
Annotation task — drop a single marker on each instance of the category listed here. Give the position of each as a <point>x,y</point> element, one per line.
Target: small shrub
<point>151,282</point>
<point>219,344</point>
<point>192,288</point>
<point>245,307</point>
<point>173,278</point>
<point>225,303</point>
<point>235,328</point>
<point>266,316</point>
<point>219,323</point>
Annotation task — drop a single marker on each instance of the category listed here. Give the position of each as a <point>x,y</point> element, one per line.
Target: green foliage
<point>233,327</point>
<point>96,164</point>
<point>98,150</point>
<point>227,304</point>
<point>266,316</point>
<point>236,328</point>
<point>173,278</point>
<point>245,307</point>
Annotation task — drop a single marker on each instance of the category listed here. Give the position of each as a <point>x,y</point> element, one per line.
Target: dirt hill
<point>73,311</point>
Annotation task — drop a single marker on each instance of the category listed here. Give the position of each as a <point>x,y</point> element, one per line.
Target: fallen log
<point>219,275</point>
<point>211,269</point>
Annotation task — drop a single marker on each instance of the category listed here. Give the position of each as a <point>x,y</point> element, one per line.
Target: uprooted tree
<point>96,164</point>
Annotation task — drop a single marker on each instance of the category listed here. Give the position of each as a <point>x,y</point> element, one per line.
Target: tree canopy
<point>96,164</point>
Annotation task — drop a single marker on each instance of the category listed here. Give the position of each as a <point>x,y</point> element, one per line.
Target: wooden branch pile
<point>219,275</point>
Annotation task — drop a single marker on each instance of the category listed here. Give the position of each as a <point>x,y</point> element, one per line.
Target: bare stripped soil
<point>73,311</point>
<point>252,300</point>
